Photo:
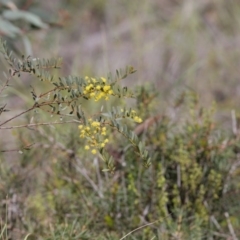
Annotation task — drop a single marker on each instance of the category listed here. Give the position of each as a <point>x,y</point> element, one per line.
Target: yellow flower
<point>94,151</point>
<point>106,88</point>
<point>137,119</point>
<point>92,94</point>
<point>87,88</point>
<point>103,79</point>
<point>95,124</point>
<point>103,133</point>
<point>98,87</point>
<point>87,147</point>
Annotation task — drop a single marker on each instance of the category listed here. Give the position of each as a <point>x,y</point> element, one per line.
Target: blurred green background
<point>177,46</point>
<point>173,44</point>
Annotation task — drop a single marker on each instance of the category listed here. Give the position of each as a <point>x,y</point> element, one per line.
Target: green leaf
<point>27,16</point>
<point>117,72</point>
<point>140,146</point>
<point>9,29</point>
<point>131,70</point>
<point>48,16</point>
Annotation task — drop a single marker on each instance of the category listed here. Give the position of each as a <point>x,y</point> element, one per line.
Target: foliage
<point>181,192</point>
<point>188,180</point>
<point>55,189</point>
<point>19,18</point>
<point>63,99</point>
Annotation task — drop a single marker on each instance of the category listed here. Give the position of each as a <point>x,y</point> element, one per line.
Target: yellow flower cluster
<point>134,116</point>
<point>97,89</point>
<point>137,119</point>
<point>95,135</point>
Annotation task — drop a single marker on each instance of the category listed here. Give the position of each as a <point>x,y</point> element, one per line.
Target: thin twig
<point>223,235</point>
<point>215,222</point>
<point>230,227</point>
<point>27,147</point>
<point>80,168</point>
<point>18,115</point>
<point>5,85</point>
<point>139,228</point>
<point>234,122</point>
<point>38,124</point>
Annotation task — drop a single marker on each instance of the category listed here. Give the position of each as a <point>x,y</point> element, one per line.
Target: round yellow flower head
<point>106,88</point>
<point>94,151</point>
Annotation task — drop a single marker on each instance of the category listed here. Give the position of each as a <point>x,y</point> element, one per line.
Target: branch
<point>38,124</point>
<point>5,85</point>
<point>18,115</point>
<point>27,147</point>
<point>139,228</point>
